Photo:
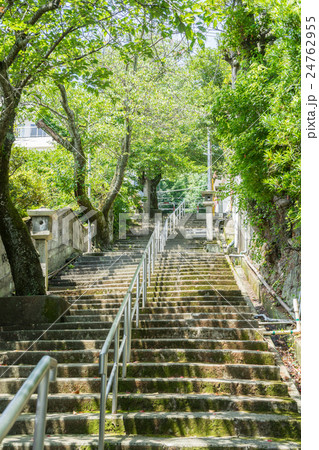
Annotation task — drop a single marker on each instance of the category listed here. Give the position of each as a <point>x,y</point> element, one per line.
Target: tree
<point>49,38</point>
<point>165,143</point>
<point>258,122</point>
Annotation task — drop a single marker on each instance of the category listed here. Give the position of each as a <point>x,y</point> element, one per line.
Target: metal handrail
<point>43,373</point>
<point>141,279</point>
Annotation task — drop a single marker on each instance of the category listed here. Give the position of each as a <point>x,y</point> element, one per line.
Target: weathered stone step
<point>189,278</point>
<point>74,317</point>
<point>195,283</point>
<point>146,324</point>
<point>70,278</point>
<point>189,289</point>
<point>97,270</point>
<point>147,355</point>
<point>95,308</point>
<point>162,370</point>
<point>89,289</point>
<point>194,261</point>
<point>136,343</point>
<point>139,333</point>
<point>95,284</point>
<point>223,291</point>
<point>164,301</point>
<point>75,442</point>
<point>220,323</point>
<point>185,271</point>
<point>77,403</point>
<point>172,384</point>
<point>175,423</point>
<point>105,264</point>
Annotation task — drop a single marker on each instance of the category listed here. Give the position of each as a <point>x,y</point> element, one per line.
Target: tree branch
<point>22,39</point>
<point>55,136</point>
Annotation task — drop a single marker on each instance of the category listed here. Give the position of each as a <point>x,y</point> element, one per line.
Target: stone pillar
<point>41,232</point>
<point>208,202</point>
<point>147,195</point>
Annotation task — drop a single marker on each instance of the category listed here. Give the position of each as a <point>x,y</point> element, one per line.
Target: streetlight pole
<point>89,196</point>
<point>209,209</point>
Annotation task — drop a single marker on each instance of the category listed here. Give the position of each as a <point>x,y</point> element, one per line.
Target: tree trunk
<point>101,239</point>
<point>150,205</point>
<point>153,194</point>
<point>23,259</point>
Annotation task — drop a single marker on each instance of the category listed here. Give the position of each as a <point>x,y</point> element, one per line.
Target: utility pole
<point>89,196</point>
<point>209,209</point>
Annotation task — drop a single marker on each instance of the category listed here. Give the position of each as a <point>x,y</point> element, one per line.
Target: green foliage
<point>258,123</point>
<point>40,178</point>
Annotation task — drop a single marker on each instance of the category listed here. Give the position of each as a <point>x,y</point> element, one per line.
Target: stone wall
<point>69,237</point>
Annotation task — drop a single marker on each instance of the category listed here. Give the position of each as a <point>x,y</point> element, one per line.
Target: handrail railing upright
<point>43,373</point>
<point>141,279</point>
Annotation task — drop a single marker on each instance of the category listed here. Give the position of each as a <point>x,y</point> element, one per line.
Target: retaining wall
<point>69,237</point>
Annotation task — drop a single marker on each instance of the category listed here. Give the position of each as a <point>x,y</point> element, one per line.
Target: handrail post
<point>129,337</point>
<point>153,255</point>
<point>41,412</point>
<point>137,299</point>
<point>144,282</point>
<point>149,265</point>
<point>103,404</point>
<point>125,336</point>
<point>116,375</point>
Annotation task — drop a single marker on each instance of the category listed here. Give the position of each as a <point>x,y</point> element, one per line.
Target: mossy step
<point>185,276</point>
<point>79,284</point>
<point>148,355</point>
<point>189,281</point>
<point>136,343</point>
<point>107,276</point>
<point>65,403</point>
<point>162,301</point>
<point>95,308</point>
<point>153,317</point>
<point>169,385</point>
<point>175,424</point>
<point>162,370</point>
<point>88,289</point>
<point>198,332</point>
<point>220,323</point>
<point>114,268</point>
<point>86,295</point>
<point>203,370</point>
<point>138,333</point>
<point>215,285</point>
<point>220,290</point>
<point>85,442</point>
<point>227,323</point>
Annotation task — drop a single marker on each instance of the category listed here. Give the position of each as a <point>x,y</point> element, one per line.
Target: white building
<point>30,136</point>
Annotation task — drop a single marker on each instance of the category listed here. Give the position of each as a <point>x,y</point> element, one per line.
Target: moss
<point>50,310</point>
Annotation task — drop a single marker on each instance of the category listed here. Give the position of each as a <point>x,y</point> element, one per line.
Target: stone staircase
<point>201,374</point>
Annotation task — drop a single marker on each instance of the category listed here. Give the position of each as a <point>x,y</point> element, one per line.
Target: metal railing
<point>43,373</point>
<point>126,314</point>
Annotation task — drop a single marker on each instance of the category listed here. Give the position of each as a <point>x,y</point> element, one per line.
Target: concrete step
<point>147,324</point>
<point>167,423</point>
<point>136,343</point>
<point>95,308</point>
<point>75,317</point>
<point>79,403</point>
<point>179,384</point>
<point>165,370</point>
<point>192,332</point>
<point>229,356</point>
<point>75,442</point>
<point>164,301</point>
